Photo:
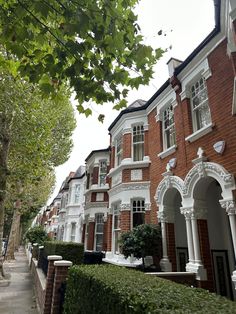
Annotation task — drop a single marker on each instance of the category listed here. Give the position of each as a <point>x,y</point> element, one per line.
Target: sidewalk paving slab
<point>17,291</point>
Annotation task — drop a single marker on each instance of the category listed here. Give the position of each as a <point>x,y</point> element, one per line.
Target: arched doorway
<point>215,240</point>
<point>210,210</point>
<point>174,239</point>
<point>176,236</point>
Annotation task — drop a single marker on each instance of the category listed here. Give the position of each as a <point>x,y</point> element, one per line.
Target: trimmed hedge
<point>109,289</point>
<point>70,251</point>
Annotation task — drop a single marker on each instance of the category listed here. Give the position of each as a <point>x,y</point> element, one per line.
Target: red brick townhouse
<point>96,200</point>
<point>173,162</point>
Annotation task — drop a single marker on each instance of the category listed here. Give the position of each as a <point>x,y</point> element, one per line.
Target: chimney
<point>172,64</point>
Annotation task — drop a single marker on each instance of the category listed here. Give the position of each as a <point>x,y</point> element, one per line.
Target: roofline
<point>74,178</point>
<point>213,33</point>
<point>97,151</point>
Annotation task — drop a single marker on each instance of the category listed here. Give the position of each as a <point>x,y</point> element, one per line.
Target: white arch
<point>167,183</point>
<point>209,169</point>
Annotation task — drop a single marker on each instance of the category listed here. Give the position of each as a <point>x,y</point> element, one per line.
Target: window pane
<point>138,219</point>
<point>200,106</point>
<point>169,137</point>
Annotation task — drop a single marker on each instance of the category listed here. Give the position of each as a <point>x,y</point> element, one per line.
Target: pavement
<point>17,290</point>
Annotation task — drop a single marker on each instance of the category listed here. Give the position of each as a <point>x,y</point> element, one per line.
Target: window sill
<point>167,152</point>
<point>198,134</point>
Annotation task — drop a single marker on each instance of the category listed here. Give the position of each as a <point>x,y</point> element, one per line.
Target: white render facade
<point>71,213</point>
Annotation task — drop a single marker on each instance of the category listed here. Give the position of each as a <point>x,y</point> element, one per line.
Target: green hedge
<point>108,289</point>
<point>70,251</point>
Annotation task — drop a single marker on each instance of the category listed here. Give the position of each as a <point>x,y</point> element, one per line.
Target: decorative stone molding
<point>129,187</point>
<point>211,169</point>
<point>127,130</point>
<point>125,206</point>
<point>147,206</point>
<point>229,206</point>
<point>91,219</point>
<point>136,174</point>
<point>169,181</point>
<point>187,212</point>
<point>145,127</point>
<point>167,215</point>
<point>184,94</point>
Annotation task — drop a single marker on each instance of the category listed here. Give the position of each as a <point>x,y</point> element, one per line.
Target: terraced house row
<point>171,160</point>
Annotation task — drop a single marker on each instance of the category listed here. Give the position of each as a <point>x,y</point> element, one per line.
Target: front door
<point>221,273</point>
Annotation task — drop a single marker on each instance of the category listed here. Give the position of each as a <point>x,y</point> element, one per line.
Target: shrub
<point>36,235</point>
<point>142,241</point>
<point>109,289</point>
<point>70,251</point>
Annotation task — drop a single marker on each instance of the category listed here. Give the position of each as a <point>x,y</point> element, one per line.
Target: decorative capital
<point>229,206</point>
<point>91,219</point>
<point>125,206</point>
<point>187,212</point>
<point>147,206</point>
<point>167,215</point>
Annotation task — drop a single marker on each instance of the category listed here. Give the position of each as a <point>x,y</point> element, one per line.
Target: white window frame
<point>99,221</point>
<point>102,172</point>
<point>73,232</point>
<point>86,233</point>
<point>119,154</point>
<point>165,130</point>
<point>138,130</point>
<point>76,193</point>
<point>116,231</point>
<point>198,88</point>
<point>137,209</point>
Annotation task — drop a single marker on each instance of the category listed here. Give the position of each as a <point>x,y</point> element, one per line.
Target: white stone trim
<point>63,263</point>
<point>167,152</point>
<point>234,98</point>
<point>199,133</point>
<point>164,185</point>
<point>54,257</point>
<point>128,163</point>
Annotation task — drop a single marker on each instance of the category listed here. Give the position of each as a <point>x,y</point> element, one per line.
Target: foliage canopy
<point>94,45</point>
<point>36,235</point>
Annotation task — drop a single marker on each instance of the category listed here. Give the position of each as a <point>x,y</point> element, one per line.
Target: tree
<point>36,235</point>
<point>142,241</point>
<point>32,140</point>
<point>95,46</point>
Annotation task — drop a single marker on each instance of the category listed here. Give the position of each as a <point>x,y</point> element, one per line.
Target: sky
<point>186,23</point>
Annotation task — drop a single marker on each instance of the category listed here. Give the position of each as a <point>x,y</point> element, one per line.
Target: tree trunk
<point>4,150</point>
<point>17,237</point>
<point>13,233</point>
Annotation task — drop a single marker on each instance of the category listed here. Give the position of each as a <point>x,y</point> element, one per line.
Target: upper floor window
<point>138,143</point>
<point>102,172</point>
<point>77,192</point>
<point>200,107</point>
<point>138,212</point>
<point>168,123</point>
<point>119,150</point>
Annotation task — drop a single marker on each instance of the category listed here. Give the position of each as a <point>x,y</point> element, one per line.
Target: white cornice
<point>144,185</point>
<point>128,163</point>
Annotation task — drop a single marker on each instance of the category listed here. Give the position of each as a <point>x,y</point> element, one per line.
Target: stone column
<point>197,255</point>
<point>49,283</point>
<point>195,263</point>
<point>230,207</point>
<point>61,271</point>
<point>164,263</point>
